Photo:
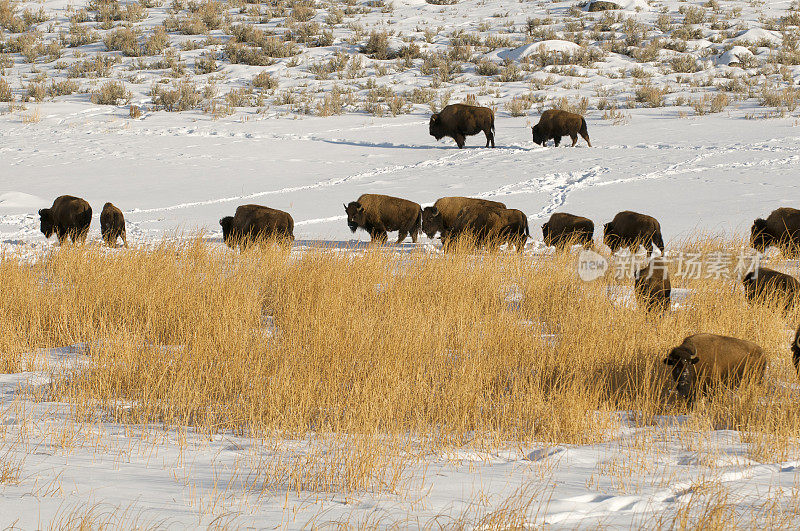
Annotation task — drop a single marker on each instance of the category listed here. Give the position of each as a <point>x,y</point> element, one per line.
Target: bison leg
<point>574,138</point>
<point>401,235</point>
<point>460,140</point>
<point>586,137</point>
<point>489,137</point>
<point>378,235</point>
<point>556,140</point>
<point>124,239</point>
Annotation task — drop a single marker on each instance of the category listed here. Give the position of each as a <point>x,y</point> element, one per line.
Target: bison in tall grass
<point>112,225</point>
<point>256,223</point>
<point>490,226</point>
<point>652,286</point>
<point>460,120</point>
<point>768,285</point>
<point>378,214</point>
<point>69,216</point>
<point>781,229</point>
<point>555,123</point>
<point>631,229</point>
<point>563,229</point>
<point>705,361</point>
<point>442,215</point>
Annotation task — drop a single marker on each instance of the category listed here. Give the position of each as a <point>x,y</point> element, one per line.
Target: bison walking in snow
<point>378,214</point>
<point>112,225</point>
<point>69,216</point>
<point>460,120</point>
<point>491,226</point>
<point>252,223</point>
<point>562,229</point>
<point>442,215</point>
<point>556,123</point>
<point>781,228</point>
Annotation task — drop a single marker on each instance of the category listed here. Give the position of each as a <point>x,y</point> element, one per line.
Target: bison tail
<point>527,229</point>
<point>417,224</point>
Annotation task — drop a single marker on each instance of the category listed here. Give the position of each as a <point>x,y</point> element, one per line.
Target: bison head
<point>356,215</point>
<point>682,360</point>
<point>227,225</point>
<point>610,237</point>
<point>546,234</point>
<point>760,238</point>
<point>431,221</point>
<point>46,222</point>
<point>436,128</point>
<point>538,135</point>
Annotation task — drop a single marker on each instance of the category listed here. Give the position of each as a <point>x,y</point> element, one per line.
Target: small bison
<point>378,214</point>
<point>491,226</point>
<point>704,361</point>
<point>69,216</point>
<point>112,225</point>
<point>781,228</point>
<point>563,229</point>
<point>766,284</point>
<point>631,229</point>
<point>652,286</point>
<point>460,120</point>
<point>253,223</point>
<point>442,215</point>
<point>556,123</point>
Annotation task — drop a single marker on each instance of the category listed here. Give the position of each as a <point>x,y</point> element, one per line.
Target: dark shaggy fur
<point>703,361</point>
<point>631,229</point>
<point>556,123</point>
<point>69,216</point>
<point>378,214</point>
<point>652,286</point>
<point>796,350</point>
<point>112,225</point>
<point>442,215</point>
<point>781,228</point>
<point>491,226</point>
<point>563,229</point>
<point>765,284</point>
<point>460,121</point>
<point>254,223</point>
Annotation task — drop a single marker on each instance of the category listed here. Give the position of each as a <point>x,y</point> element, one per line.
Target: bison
<point>703,361</point>
<point>766,284</point>
<point>460,120</point>
<point>112,225</point>
<point>491,226</point>
<point>442,215</point>
<point>652,286</point>
<point>556,123</point>
<point>253,223</point>
<point>781,228</point>
<point>562,229</point>
<point>378,214</point>
<point>631,229</point>
<point>69,216</point>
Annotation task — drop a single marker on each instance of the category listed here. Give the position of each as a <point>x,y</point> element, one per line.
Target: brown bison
<point>766,284</point>
<point>69,216</point>
<point>460,120</point>
<point>796,350</point>
<point>781,228</point>
<point>442,215</point>
<point>253,223</point>
<point>631,229</point>
<point>490,226</point>
<point>703,361</point>
<point>112,225</point>
<point>652,286</point>
<point>563,229</point>
<point>556,123</point>
<point>378,214</point>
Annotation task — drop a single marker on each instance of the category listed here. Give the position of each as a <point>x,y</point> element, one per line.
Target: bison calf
<point>253,223</point>
<point>442,215</point>
<point>652,286</point>
<point>563,229</point>
<point>378,214</point>
<point>460,120</point>
<point>781,228</point>
<point>703,361</point>
<point>112,225</point>
<point>69,216</point>
<point>764,284</point>
<point>556,123</point>
<point>631,229</point>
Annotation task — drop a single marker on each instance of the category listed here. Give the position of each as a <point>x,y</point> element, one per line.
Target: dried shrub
<point>111,93</point>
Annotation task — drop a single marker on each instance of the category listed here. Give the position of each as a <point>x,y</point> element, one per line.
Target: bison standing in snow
<point>442,215</point>
<point>252,223</point>
<point>112,225</point>
<point>631,229</point>
<point>556,123</point>
<point>703,361</point>
<point>562,229</point>
<point>69,216</point>
<point>460,120</point>
<point>378,214</point>
<point>781,228</point>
